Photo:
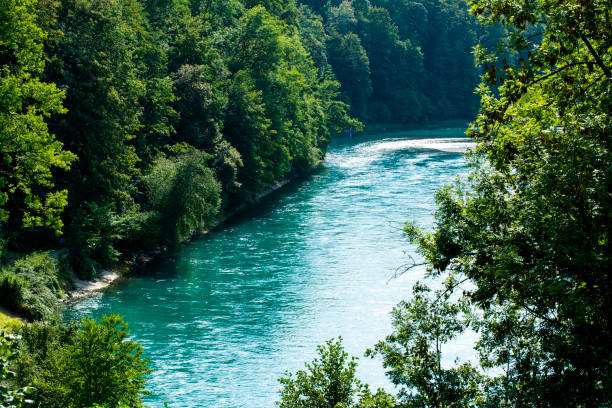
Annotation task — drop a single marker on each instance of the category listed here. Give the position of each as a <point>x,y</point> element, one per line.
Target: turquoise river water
<point>225,316</point>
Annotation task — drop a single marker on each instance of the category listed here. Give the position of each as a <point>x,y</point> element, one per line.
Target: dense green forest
<point>130,125</point>
<point>126,125</point>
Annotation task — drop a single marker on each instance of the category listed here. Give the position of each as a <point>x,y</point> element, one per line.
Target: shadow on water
<point>269,203</point>
<point>166,265</point>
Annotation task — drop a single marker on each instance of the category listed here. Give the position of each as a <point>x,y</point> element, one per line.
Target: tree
<point>318,6</point>
<point>29,154</point>
<point>99,365</point>
<point>396,68</point>
<point>185,192</point>
<point>352,68</point>
<point>293,94</point>
<point>285,10</point>
<point>342,18</point>
<point>91,363</point>
<point>247,127</point>
<point>94,59</point>
<point>448,60</point>
<point>313,37</point>
<point>412,354</point>
<point>221,13</point>
<point>199,108</point>
<point>409,16</point>
<point>329,382</point>
<point>530,228</point>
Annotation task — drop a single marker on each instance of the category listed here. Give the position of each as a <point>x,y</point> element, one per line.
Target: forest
<point>129,126</point>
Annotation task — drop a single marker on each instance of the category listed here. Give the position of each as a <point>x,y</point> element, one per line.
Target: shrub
<point>12,288</point>
<point>98,365</point>
<point>86,364</point>
<point>329,381</point>
<point>31,286</point>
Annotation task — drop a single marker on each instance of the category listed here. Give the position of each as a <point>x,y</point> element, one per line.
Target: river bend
<point>224,317</point>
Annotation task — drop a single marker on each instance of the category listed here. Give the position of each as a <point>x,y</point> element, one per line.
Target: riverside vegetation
<point>126,125</point>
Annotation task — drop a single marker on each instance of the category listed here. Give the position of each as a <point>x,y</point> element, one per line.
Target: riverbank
<point>140,260</point>
<point>55,283</point>
<point>86,287</point>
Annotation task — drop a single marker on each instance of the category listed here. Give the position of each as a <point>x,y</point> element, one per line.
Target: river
<point>225,316</point>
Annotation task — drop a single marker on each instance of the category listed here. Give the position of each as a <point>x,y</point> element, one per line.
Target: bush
<point>12,288</point>
<point>86,364</point>
<point>330,382</point>
<point>99,365</point>
<point>36,343</point>
<point>31,286</point>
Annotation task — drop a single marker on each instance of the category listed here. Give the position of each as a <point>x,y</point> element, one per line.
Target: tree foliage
<point>329,381</point>
<point>29,153</point>
<point>412,354</point>
<point>530,229</point>
<point>186,192</point>
<point>81,365</point>
<point>100,366</point>
<point>129,86</point>
<point>400,61</point>
<point>258,87</point>
<point>94,61</point>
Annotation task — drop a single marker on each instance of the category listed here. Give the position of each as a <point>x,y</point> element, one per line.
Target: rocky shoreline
<point>84,288</point>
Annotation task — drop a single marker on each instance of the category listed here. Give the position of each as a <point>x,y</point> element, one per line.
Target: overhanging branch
<point>595,55</point>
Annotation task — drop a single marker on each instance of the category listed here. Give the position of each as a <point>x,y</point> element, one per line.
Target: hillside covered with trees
<point>127,125</point>
<point>399,61</point>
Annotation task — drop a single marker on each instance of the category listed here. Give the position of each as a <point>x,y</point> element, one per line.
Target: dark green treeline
<point>146,120</point>
<point>128,124</point>
<point>399,60</point>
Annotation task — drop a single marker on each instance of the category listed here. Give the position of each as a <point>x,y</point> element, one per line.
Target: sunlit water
<point>225,317</point>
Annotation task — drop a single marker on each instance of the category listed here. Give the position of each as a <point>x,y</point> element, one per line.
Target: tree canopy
<point>29,153</point>
<point>522,244</point>
<point>530,228</point>
<point>132,124</point>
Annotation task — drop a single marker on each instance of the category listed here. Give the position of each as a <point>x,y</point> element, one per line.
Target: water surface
<point>227,315</point>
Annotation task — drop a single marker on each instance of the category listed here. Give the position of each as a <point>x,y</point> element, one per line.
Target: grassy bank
<point>31,286</point>
<point>8,319</point>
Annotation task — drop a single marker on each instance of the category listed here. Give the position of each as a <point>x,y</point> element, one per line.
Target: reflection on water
<point>227,315</point>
